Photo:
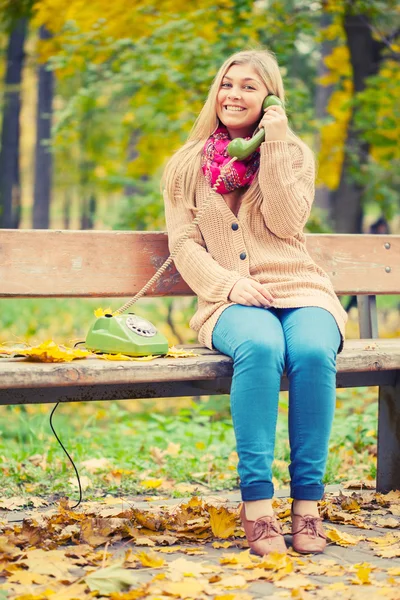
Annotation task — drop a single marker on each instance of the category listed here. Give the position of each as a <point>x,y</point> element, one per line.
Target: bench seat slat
<point>357,356</point>
<point>51,263</point>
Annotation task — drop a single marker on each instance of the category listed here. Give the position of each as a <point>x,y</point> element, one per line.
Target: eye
<point>224,84</point>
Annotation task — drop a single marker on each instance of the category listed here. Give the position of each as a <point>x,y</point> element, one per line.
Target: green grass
<point>206,456</point>
<point>133,435</point>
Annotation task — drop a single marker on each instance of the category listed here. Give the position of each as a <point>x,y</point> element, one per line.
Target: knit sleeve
<point>203,274</point>
<point>287,188</point>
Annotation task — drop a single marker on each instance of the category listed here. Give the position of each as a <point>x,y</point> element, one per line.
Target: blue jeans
<point>262,342</point>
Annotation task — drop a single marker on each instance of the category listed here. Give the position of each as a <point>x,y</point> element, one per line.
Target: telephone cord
<point>72,462</point>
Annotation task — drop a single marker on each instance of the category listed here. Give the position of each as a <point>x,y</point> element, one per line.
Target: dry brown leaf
<point>13,503</point>
<point>391,522</point>
<point>357,484</point>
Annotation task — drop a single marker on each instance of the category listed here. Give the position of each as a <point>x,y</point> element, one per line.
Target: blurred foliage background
<point>97,96</point>
<point>94,98</point>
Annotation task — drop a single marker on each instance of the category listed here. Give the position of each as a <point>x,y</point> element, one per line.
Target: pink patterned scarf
<point>215,156</point>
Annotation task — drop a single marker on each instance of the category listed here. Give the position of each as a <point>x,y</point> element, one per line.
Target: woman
<point>261,298</point>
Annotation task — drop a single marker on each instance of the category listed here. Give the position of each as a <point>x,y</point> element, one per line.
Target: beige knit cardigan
<point>266,243</point>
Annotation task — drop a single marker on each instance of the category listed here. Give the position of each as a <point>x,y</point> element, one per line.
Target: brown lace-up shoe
<point>264,535</point>
<point>308,534</point>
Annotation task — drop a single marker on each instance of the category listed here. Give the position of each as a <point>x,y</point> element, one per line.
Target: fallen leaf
<point>295,581</point>
<point>342,538</point>
<point>13,503</point>
<point>150,559</point>
<point>222,544</point>
<point>188,588</point>
<point>180,353</point>
<point>363,572</point>
<point>49,351</point>
<point>234,581</point>
<point>102,312</point>
<point>391,522</point>
<point>96,464</point>
<point>223,522</point>
<point>111,579</point>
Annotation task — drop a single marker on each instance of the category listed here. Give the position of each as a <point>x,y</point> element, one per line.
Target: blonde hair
<point>186,162</point>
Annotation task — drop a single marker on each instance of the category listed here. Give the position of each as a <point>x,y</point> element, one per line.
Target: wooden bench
<point>87,264</point>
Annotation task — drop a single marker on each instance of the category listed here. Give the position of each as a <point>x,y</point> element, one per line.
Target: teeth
<point>234,108</point>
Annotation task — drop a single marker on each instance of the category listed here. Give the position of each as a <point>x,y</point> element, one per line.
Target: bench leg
<point>388,471</point>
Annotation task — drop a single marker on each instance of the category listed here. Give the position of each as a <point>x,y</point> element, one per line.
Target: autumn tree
<point>15,16</point>
<point>359,156</point>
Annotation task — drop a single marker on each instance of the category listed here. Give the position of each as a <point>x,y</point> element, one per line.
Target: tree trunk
<point>10,193</point>
<point>67,209</point>
<point>322,96</point>
<point>43,163</point>
<point>129,189</point>
<point>365,56</point>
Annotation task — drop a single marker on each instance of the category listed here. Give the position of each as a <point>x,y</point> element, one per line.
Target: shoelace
<point>264,527</point>
<point>310,525</point>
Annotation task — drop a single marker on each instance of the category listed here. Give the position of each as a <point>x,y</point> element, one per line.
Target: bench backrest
<point>52,263</point>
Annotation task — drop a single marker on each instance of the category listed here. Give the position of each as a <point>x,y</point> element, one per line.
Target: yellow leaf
<point>191,588</point>
<point>173,449</point>
<point>27,578</point>
<point>244,559</point>
<point>151,483</point>
<point>101,312</point>
<point>295,581</point>
<point>180,353</point>
<point>342,538</point>
<point>49,351</point>
<point>221,544</point>
<point>363,572</point>
<point>233,581</point>
<point>238,596</point>
<point>223,523</point>
<point>150,559</point>
<point>125,357</point>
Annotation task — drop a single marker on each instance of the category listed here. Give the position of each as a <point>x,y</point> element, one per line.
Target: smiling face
<point>239,100</point>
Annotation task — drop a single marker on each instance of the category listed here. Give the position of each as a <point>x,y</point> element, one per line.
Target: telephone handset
<point>132,335</point>
<point>243,148</point>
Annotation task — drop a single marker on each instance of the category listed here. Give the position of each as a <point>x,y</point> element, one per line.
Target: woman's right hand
<point>250,293</point>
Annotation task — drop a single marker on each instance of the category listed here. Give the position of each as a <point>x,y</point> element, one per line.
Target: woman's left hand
<point>275,123</point>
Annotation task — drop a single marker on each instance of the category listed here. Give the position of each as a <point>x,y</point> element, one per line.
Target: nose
<point>233,94</point>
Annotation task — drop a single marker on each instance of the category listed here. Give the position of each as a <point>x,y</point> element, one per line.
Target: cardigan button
<point>235,226</point>
<point>243,255</point>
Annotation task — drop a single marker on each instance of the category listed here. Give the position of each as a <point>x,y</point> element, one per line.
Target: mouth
<point>233,108</point>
